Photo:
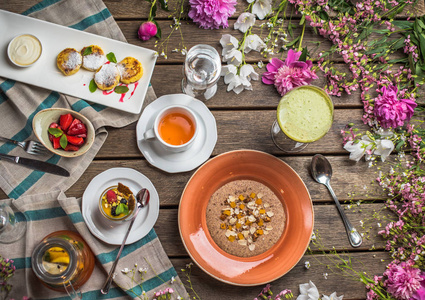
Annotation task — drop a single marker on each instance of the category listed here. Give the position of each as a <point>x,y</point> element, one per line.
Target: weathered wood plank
<point>167,79</point>
<point>212,289</point>
<point>348,177</point>
<point>241,130</point>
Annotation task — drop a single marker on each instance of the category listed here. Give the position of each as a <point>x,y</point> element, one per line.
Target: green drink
<point>304,115</point>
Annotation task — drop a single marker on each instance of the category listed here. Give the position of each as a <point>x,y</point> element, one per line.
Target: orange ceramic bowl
<point>288,187</point>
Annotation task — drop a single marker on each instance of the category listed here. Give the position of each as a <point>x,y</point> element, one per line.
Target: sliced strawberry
<point>111,196</point>
<point>70,147</point>
<point>83,135</point>
<point>77,128</point>
<point>65,121</point>
<point>77,141</point>
<point>56,142</point>
<point>54,125</point>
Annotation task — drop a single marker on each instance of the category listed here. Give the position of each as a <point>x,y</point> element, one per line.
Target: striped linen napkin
<point>39,196</point>
<point>53,211</point>
<point>20,102</point>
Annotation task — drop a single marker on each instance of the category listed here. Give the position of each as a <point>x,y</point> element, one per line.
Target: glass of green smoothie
<point>304,115</point>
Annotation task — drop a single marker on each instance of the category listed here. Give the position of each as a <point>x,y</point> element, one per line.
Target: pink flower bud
<point>147,30</point>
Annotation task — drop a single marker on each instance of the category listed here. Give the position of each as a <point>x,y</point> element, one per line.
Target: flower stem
<point>153,3</point>
<point>301,39</point>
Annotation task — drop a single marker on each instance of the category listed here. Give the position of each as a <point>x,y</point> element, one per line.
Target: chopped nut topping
<point>244,218</point>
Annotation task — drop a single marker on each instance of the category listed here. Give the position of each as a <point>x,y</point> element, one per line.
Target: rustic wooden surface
<point>352,182</point>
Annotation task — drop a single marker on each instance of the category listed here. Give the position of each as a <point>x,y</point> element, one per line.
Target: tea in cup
<point>175,127</point>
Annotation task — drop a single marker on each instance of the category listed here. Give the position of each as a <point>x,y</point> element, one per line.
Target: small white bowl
<point>32,41</point>
<point>44,118</point>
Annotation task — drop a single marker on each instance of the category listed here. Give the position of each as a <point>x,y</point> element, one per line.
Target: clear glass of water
<point>201,72</point>
<point>12,228</point>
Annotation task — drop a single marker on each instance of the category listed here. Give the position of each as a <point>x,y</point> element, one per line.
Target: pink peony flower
<point>289,74</point>
<point>211,14</point>
<point>403,280</point>
<point>420,293</point>
<point>147,30</point>
<point>390,111</point>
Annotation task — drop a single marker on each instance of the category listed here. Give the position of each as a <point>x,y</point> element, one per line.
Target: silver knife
<point>36,164</point>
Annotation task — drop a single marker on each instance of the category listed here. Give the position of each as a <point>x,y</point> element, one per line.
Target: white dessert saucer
<point>109,231</point>
<point>187,160</point>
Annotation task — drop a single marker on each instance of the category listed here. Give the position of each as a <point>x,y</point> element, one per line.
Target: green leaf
<point>302,21</point>
<point>399,145</point>
<point>303,56</point>
<point>56,132</point>
<point>122,209</point>
<point>324,15</point>
<point>111,57</point>
<point>87,51</point>
<point>63,141</point>
<point>399,44</point>
<point>422,45</point>
<point>420,23</point>
<point>92,86</point>
<point>158,33</point>
<point>376,50</point>
<point>290,26</point>
<point>293,42</point>
<point>403,24</point>
<point>121,89</point>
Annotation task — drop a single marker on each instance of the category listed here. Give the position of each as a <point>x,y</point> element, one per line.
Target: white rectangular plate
<point>54,38</point>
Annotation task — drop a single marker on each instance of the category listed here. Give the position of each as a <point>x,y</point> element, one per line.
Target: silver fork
<point>31,147</point>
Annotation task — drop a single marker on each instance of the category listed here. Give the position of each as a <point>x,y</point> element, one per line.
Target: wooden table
<point>243,122</point>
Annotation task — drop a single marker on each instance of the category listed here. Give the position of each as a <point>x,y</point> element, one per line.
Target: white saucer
<point>185,161</point>
<point>109,231</point>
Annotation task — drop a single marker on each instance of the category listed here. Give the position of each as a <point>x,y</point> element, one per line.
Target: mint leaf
<point>92,86</point>
<point>121,209</point>
<point>56,132</point>
<point>87,51</point>
<point>111,57</point>
<point>121,89</point>
<point>63,141</point>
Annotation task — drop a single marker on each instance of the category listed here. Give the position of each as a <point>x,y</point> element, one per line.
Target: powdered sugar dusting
<point>93,61</point>
<point>74,60</point>
<point>106,75</point>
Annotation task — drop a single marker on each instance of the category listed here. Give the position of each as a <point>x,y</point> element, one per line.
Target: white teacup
<point>175,127</point>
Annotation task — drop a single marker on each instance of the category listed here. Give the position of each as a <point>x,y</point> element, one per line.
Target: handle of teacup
<point>73,294</point>
<point>149,134</point>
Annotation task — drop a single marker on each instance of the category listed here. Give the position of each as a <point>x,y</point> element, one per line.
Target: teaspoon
<point>321,171</point>
<point>142,198</point>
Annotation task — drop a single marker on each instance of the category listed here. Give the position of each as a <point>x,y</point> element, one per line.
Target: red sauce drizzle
<point>135,86</point>
<point>108,92</point>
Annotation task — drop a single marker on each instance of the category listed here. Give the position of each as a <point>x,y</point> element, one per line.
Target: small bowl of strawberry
<point>63,131</point>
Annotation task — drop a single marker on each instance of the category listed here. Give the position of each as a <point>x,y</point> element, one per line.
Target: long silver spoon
<point>321,170</point>
<point>142,198</point>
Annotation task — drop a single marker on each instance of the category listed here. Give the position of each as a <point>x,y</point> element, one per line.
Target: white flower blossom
<point>333,296</point>
<point>172,280</point>
<point>357,150</point>
<point>262,8</point>
<point>143,270</point>
<point>228,42</point>
<point>253,42</point>
<point>383,148</point>
<point>125,270</point>
<point>260,64</point>
<point>245,21</point>
<point>307,265</point>
<point>308,291</point>
<point>233,57</point>
<point>248,72</point>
